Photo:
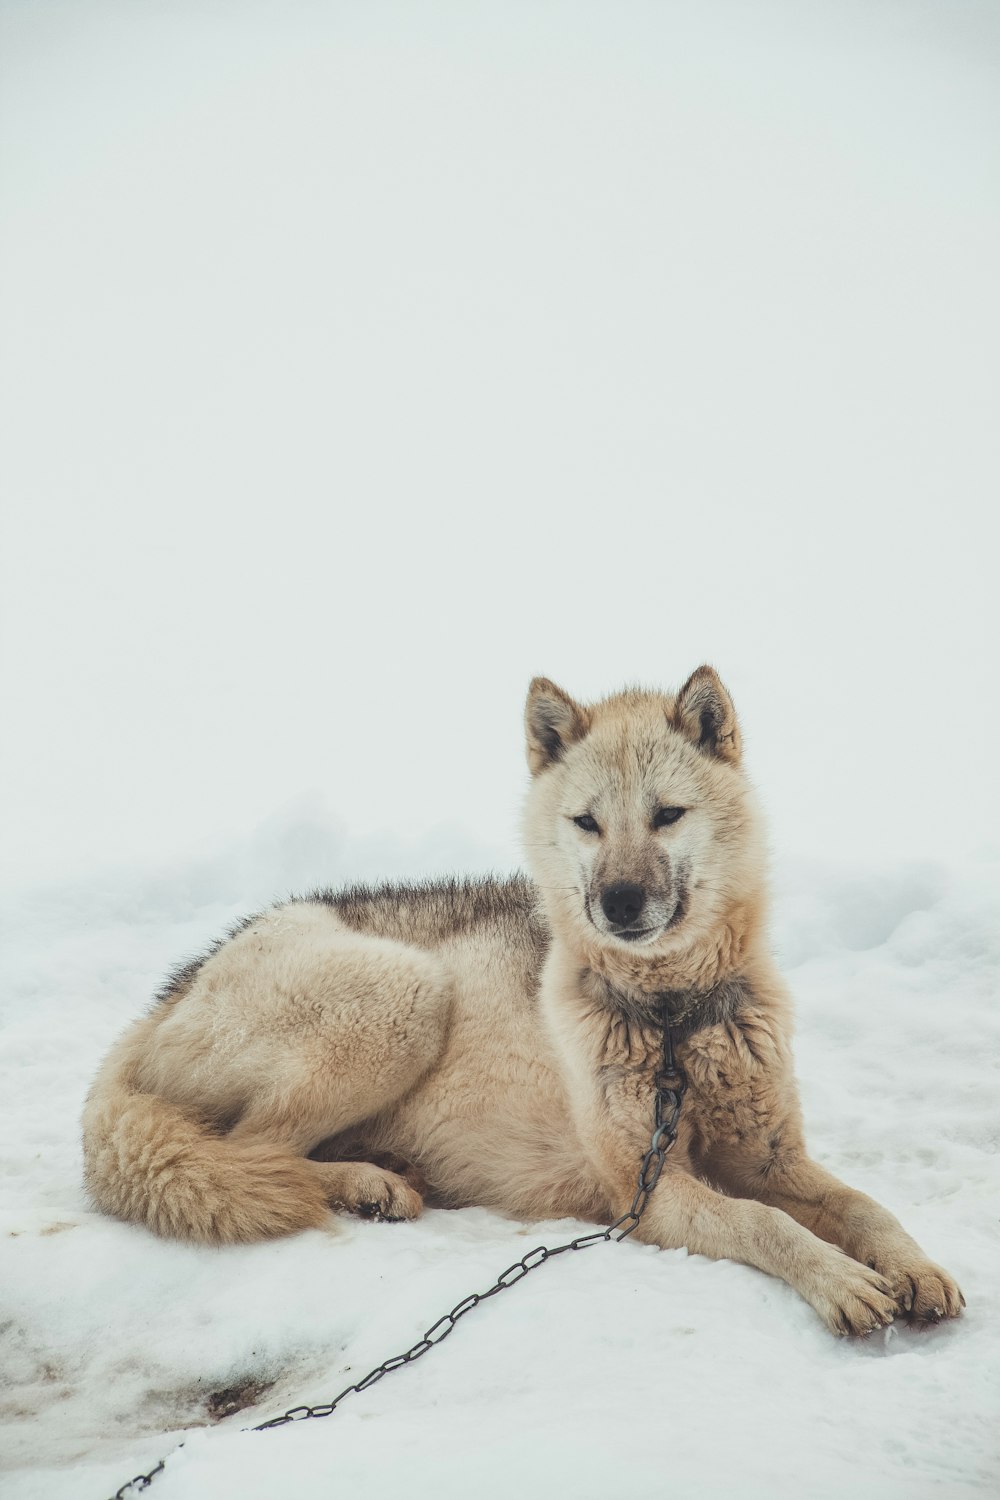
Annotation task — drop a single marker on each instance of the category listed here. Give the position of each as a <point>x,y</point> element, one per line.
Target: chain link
<point>143,1481</point>
<point>669,1082</point>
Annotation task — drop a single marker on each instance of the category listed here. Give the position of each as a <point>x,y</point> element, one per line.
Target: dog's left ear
<point>704,712</point>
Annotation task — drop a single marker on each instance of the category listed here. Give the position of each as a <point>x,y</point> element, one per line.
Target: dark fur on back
<point>431,912</point>
<point>425,913</point>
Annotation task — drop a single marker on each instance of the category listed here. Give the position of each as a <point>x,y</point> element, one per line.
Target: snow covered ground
<point>622,1368</point>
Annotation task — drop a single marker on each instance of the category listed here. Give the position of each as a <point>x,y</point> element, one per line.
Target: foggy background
<point>359,361</point>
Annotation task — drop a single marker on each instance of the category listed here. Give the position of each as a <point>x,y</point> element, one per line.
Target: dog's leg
<point>334,1027</point>
<point>850,1298</point>
<point>373,1192</point>
<point>778,1172</point>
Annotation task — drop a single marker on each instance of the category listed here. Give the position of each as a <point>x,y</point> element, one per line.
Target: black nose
<point>623,903</point>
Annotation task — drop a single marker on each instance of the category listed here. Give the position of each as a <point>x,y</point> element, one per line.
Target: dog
<point>494,1042</point>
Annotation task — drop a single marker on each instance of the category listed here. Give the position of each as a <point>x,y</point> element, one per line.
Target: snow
<point>358,363</point>
<point>620,1363</point>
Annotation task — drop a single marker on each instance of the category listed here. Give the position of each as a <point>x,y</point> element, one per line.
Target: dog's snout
<point>622,903</point>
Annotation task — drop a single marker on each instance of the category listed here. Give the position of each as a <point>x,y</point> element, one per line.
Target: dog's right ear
<point>552,721</point>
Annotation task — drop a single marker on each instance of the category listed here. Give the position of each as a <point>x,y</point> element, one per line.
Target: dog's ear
<point>704,712</point>
<point>552,721</point>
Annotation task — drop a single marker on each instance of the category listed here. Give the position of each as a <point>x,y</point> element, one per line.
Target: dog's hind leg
<point>296,1030</point>
<point>359,1031</point>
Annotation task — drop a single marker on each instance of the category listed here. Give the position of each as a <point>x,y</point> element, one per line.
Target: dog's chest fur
<point>728,1040</point>
<point>735,1072</point>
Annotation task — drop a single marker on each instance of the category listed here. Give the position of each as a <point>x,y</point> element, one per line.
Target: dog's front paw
<point>922,1290</point>
<point>852,1299</point>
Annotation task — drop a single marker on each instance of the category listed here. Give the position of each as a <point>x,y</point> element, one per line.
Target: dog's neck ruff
<point>686,1011</point>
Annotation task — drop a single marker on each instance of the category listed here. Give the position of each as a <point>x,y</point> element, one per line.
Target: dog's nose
<point>622,903</point>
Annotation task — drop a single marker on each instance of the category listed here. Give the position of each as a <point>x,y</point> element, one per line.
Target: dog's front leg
<point>783,1175</point>
<point>683,1211</point>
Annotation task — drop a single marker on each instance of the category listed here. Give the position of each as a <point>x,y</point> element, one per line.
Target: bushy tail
<point>149,1163</point>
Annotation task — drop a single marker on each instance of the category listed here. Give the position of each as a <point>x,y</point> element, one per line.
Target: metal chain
<point>670,1083</point>
<point>143,1481</point>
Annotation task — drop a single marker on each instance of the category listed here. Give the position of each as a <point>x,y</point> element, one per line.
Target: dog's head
<point>641,830</point>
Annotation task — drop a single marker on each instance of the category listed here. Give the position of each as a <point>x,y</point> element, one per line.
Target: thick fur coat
<point>494,1042</point>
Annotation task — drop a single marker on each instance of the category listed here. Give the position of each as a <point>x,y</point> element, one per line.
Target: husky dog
<point>494,1042</point>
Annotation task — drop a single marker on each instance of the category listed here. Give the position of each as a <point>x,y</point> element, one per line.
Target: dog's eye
<point>587,823</point>
<point>667,815</point>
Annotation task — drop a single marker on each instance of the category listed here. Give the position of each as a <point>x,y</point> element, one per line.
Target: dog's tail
<point>148,1162</point>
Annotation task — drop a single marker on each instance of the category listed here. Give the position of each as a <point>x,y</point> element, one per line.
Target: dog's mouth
<point>640,935</point>
<point>680,909</point>
<point>636,934</point>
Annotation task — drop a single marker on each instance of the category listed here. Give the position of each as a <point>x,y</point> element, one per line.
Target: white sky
<point>358,361</point>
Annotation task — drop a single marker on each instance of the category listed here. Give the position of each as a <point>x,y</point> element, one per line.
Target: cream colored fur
<point>494,1044</point>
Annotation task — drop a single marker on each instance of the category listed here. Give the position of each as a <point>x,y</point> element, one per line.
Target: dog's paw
<point>921,1290</point>
<point>380,1194</point>
<point>852,1299</point>
<point>370,1192</point>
